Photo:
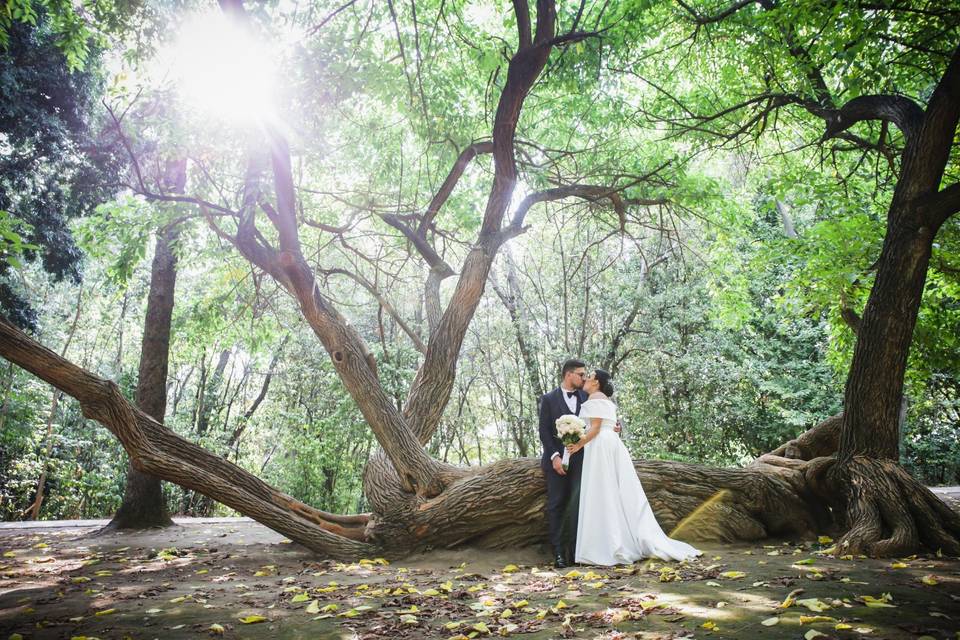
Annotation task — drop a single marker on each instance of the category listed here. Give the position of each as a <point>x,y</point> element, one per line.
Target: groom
<point>563,487</point>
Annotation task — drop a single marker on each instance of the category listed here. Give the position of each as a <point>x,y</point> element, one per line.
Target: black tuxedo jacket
<point>552,406</point>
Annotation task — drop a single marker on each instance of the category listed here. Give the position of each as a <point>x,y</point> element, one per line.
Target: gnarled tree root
<point>887,512</point>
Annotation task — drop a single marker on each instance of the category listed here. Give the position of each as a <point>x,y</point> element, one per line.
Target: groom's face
<point>576,377</point>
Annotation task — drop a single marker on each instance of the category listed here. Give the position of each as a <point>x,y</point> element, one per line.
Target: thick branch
<point>158,451</point>
<point>443,193</point>
<point>943,205</point>
<point>434,381</point>
<point>900,110</point>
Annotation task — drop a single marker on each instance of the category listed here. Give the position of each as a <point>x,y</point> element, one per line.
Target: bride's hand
<point>573,448</point>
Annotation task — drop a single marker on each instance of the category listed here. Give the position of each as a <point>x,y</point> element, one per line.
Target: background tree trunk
<point>143,503</point>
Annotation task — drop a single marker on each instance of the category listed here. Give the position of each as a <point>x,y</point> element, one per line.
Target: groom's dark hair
<point>570,365</point>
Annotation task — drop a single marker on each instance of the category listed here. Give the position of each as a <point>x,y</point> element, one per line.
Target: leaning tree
<point>417,501</point>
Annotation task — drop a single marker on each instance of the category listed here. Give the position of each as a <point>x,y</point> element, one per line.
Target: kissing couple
<point>597,510</point>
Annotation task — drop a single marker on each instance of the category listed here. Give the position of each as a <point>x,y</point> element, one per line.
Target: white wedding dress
<point>616,524</point>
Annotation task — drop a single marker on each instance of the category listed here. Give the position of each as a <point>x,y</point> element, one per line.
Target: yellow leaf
<point>864,630</point>
<point>41,545</point>
<point>824,539</point>
<point>877,603</point>
<point>408,619</point>
<point>481,627</point>
<point>561,605</point>
<point>450,626</point>
<point>813,633</point>
<point>105,612</point>
<point>506,613</point>
<point>217,629</point>
<point>313,607</point>
<point>929,580</point>
<point>572,574</point>
<point>541,614</point>
<point>814,604</point>
<point>812,619</point>
<point>329,608</point>
<point>511,568</point>
<point>520,604</point>
<point>804,561</point>
<point>447,586</point>
<point>200,572</point>
<point>9,554</point>
<point>507,629</point>
<point>709,625</point>
<point>252,619</point>
<point>300,597</point>
<point>899,565</point>
<point>430,592</point>
<point>79,579</point>
<point>325,589</point>
<point>103,574</point>
<point>350,613</point>
<point>733,575</point>
<point>842,626</point>
<point>178,600</point>
<point>769,622</point>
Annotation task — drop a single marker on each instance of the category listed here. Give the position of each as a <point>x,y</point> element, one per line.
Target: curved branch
<point>157,450</point>
<point>443,193</point>
<point>900,110</point>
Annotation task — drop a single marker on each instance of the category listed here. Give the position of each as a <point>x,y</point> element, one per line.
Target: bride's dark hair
<point>606,386</point>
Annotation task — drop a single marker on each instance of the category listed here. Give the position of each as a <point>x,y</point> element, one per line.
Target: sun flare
<point>222,69</point>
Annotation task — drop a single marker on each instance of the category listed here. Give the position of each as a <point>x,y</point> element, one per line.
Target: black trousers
<point>563,503</point>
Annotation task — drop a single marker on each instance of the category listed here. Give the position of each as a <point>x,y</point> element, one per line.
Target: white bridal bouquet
<point>570,429</point>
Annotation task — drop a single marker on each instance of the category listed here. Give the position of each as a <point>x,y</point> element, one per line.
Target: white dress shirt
<point>571,403</point>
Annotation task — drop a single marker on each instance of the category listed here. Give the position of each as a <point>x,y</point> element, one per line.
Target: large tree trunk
<point>885,511</point>
<point>143,504</point>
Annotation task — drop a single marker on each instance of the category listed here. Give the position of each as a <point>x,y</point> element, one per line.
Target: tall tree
<point>143,503</point>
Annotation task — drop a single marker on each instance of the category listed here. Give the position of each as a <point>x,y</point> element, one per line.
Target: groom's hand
<point>558,465</point>
<point>618,428</point>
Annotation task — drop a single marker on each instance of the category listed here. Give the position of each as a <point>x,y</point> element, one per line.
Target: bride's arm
<point>588,436</point>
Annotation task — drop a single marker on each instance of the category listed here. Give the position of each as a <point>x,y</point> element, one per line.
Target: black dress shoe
<point>560,562</point>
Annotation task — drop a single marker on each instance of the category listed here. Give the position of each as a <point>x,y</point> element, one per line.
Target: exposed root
<point>888,513</point>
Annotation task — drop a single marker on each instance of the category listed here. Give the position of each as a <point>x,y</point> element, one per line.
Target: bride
<point>616,524</point>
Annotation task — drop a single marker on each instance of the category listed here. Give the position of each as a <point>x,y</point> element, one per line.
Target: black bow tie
<point>570,394</point>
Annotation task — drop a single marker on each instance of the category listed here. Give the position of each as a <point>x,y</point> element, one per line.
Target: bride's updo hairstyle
<point>606,386</point>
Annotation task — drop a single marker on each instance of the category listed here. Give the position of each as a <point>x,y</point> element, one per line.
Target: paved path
<point>61,524</point>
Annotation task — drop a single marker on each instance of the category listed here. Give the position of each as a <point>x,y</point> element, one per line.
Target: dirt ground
<point>237,579</point>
